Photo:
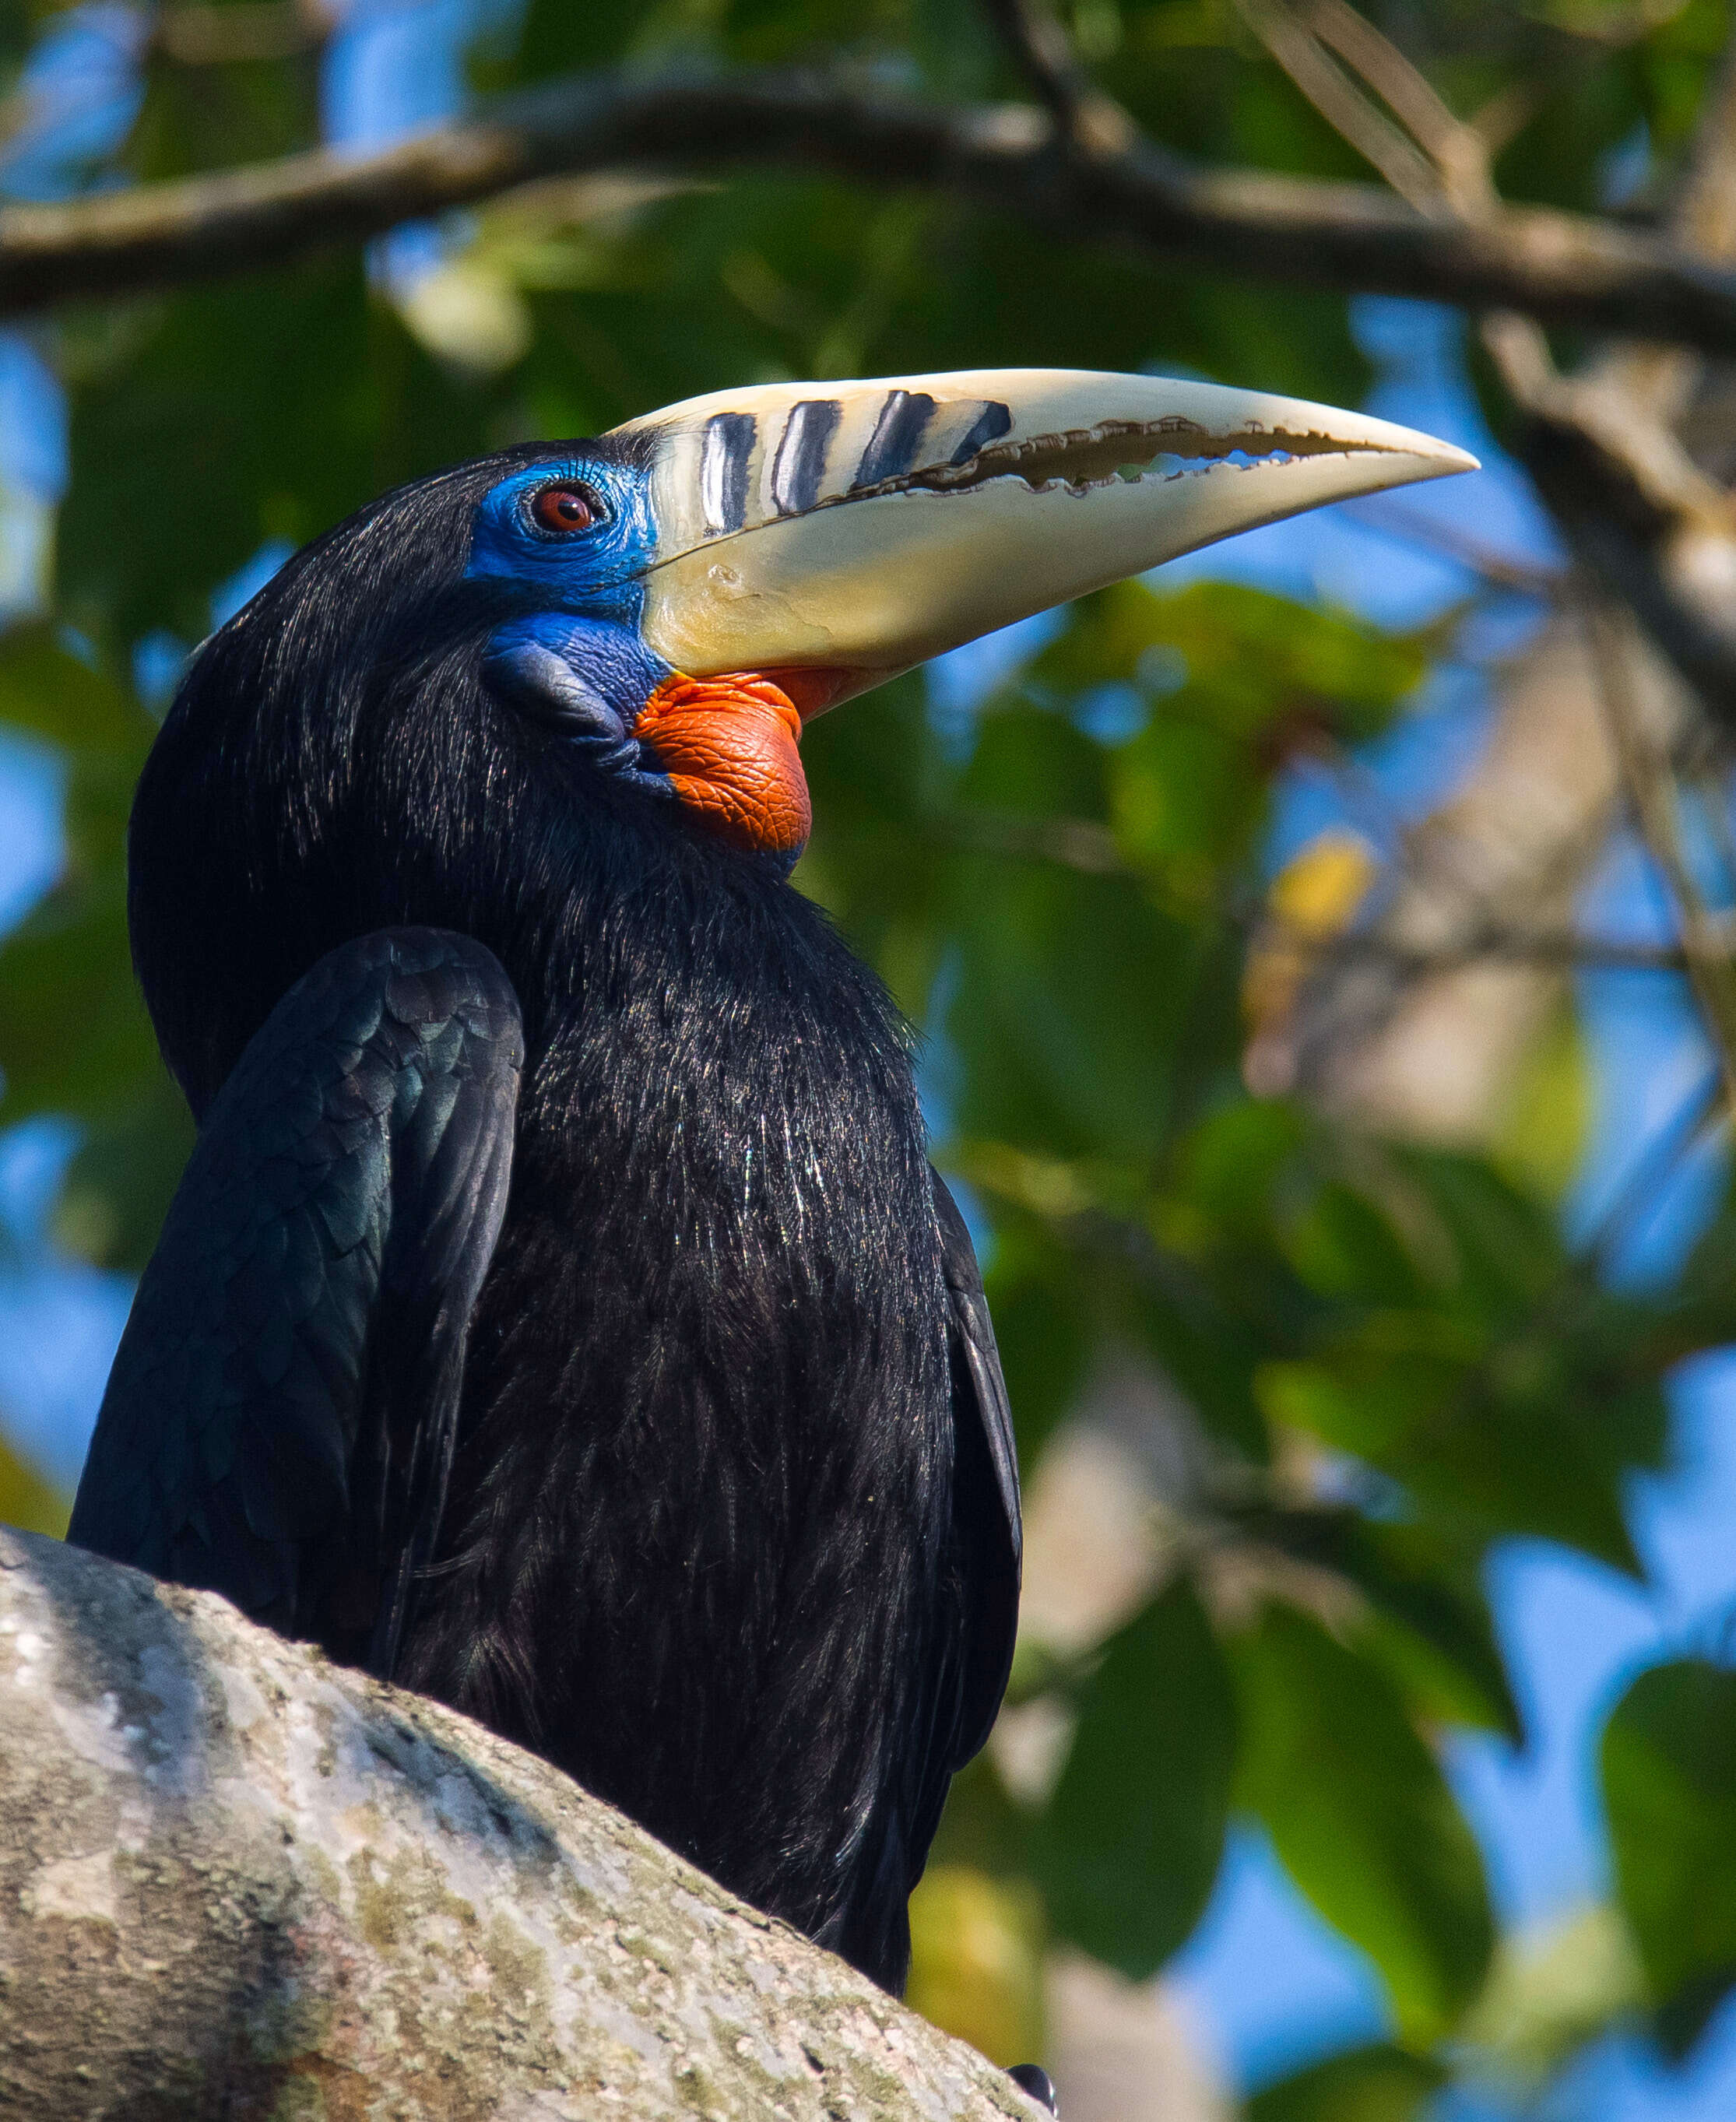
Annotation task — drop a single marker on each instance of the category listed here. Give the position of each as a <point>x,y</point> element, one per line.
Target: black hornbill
<point>559,1314</point>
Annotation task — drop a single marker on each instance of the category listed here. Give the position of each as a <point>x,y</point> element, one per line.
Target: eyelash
<point>596,509</point>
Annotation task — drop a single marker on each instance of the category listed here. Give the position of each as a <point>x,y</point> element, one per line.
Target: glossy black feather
<point>279,1420</point>
<point>731,1529</point>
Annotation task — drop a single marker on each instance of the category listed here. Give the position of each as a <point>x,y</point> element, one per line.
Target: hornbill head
<point>713,575</point>
<point>635,629</point>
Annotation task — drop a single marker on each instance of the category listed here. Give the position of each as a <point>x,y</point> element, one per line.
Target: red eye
<point>563,510</point>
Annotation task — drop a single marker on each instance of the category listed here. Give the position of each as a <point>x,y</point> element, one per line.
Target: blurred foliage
<point>1379,2084</point>
<point>976,1959</point>
<point>1379,1358</point>
<point>1550,1992</point>
<point>1669,1782</point>
<point>1359,1811</point>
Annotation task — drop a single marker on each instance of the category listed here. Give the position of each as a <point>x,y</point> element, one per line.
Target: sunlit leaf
<point>1553,1989</point>
<point>1359,1811</point>
<point>1669,1758</point>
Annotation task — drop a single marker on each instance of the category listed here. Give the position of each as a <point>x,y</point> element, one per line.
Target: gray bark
<point>239,1881</point>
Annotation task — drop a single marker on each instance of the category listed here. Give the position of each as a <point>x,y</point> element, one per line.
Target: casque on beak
<point>829,536</point>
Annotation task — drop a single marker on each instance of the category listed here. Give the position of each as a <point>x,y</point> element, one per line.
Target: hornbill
<point>559,1314</point>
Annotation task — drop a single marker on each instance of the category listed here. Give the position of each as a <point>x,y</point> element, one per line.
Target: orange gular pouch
<point>729,747</point>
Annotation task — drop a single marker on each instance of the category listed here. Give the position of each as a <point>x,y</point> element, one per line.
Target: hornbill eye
<point>564,510</point>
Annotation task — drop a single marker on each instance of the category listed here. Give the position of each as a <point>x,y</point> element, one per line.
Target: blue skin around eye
<point>574,573</point>
<point>575,659</point>
<point>568,649</point>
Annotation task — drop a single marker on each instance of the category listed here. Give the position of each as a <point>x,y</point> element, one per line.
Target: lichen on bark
<point>237,1879</point>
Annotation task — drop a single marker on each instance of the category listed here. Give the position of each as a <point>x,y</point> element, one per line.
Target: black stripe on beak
<point>896,438</point>
<point>724,464</point>
<point>800,464</point>
<point>992,423</point>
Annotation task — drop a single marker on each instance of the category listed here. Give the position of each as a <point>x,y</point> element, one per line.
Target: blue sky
<point>1268,1984</point>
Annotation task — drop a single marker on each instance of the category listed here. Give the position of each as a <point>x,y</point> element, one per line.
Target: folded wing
<point>279,1420</point>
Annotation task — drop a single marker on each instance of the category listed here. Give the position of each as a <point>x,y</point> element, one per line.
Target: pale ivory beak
<point>857,529</point>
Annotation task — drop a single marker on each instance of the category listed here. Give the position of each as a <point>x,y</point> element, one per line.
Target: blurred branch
<point>1651,790</point>
<point>1416,1022</point>
<point>1699,1114</point>
<point>1457,148</point>
<point>1604,452</point>
<point>1082,845</point>
<point>1557,266</point>
<point>1304,57</point>
<point>1074,844</point>
<point>1629,498</point>
<point>1561,949</point>
<point>1087,119</point>
<point>1636,508</point>
<point>1405,525</point>
<point>1431,158</point>
<point>1704,214</point>
<point>249,30</point>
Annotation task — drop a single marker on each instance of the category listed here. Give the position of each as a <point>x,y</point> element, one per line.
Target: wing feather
<point>279,1420</point>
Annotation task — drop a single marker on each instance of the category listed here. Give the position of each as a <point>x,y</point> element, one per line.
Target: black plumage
<point>731,1529</point>
<point>280,1418</point>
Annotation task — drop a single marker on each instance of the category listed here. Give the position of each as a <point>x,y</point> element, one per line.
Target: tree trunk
<point>239,1881</point>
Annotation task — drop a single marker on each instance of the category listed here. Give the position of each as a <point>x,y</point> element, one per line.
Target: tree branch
<point>1630,502</point>
<point>1627,495</point>
<point>1089,121</point>
<point>1382,145</point>
<point>1604,448</point>
<point>238,1880</point>
<point>245,32</point>
<point>1557,266</point>
<point>1651,791</point>
<point>1556,950</point>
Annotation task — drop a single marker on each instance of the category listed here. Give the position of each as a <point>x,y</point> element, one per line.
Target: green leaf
<point>1129,1846</point>
<point>1359,1811</point>
<point>1377,2084</point>
<point>49,692</point>
<point>982,1827</point>
<point>1668,1760</point>
<point>1532,1433</point>
<point>74,1037</point>
<point>1244,661</point>
<point>123,1176</point>
<point>227,417</point>
<point>1429,1622</point>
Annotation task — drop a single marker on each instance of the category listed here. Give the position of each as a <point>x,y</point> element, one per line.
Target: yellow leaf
<point>1313,898</point>
<point>977,1960</point>
<point>28,1502</point>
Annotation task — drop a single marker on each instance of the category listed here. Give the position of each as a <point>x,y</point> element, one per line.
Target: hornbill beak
<point>829,536</point>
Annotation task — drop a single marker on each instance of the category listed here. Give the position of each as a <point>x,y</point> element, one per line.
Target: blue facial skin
<point>571,653</point>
